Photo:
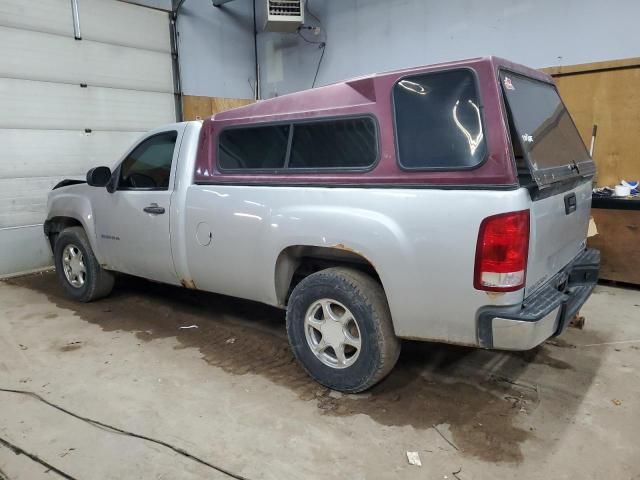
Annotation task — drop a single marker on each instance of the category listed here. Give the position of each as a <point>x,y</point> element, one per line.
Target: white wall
<point>215,47</point>
<point>366,36</point>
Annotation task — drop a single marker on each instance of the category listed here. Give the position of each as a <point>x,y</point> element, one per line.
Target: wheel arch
<point>53,226</point>
<point>67,210</point>
<point>296,262</point>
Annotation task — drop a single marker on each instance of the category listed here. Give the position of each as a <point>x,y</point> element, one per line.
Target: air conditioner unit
<point>284,15</point>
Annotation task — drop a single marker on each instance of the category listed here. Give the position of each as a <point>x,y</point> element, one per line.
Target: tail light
<point>501,252</point>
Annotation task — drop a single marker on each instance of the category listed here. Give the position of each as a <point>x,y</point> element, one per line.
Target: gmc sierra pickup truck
<point>447,203</point>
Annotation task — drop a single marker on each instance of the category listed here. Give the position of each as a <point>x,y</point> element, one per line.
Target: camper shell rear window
<point>544,137</point>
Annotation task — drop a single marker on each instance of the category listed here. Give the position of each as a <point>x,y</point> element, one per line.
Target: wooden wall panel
<point>606,94</point>
<point>219,104</point>
<point>618,240</point>
<point>195,107</point>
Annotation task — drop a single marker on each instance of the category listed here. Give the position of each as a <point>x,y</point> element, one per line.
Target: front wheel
<point>78,269</point>
<point>340,329</point>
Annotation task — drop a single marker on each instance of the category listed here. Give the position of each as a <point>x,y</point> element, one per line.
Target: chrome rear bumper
<point>544,313</point>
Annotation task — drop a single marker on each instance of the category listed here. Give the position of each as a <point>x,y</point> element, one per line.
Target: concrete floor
<point>230,392</point>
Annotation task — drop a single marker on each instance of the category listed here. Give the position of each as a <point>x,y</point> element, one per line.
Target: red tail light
<point>501,252</point>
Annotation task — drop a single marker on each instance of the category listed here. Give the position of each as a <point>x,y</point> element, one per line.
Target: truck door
<point>132,215</point>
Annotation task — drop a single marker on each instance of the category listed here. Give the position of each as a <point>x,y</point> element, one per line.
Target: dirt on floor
<point>427,388</point>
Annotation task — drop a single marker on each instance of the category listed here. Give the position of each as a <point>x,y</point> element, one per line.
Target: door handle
<point>154,209</point>
<point>570,203</point>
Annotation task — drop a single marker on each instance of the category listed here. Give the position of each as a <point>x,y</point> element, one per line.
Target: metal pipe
<point>255,52</point>
<point>175,60</point>
<point>258,86</point>
<point>76,20</point>
<point>176,4</point>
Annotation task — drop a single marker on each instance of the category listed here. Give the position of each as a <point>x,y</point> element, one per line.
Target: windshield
<point>547,136</point>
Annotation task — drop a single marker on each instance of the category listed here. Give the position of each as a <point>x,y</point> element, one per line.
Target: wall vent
<point>284,15</point>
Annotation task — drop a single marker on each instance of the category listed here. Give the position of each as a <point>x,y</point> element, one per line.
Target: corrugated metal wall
<point>67,105</point>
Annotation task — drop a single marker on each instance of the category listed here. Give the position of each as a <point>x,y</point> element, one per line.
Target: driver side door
<point>133,222</point>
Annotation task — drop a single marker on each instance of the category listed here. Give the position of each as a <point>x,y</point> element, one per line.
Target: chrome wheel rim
<point>73,266</point>
<point>332,333</point>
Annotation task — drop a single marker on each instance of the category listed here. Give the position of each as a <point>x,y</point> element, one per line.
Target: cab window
<point>148,166</point>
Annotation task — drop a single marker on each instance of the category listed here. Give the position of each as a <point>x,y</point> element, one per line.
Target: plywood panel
<point>618,240</point>
<point>53,16</point>
<point>122,23</point>
<point>607,96</point>
<point>219,104</point>
<point>197,107</point>
<point>53,58</point>
<point>42,105</point>
<point>592,67</point>
<point>44,153</point>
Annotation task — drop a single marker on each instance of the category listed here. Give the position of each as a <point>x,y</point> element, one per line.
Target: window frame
<point>550,172</point>
<point>116,173</point>
<point>292,124</point>
<point>476,82</point>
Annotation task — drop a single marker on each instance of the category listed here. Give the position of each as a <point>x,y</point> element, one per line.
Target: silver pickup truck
<point>447,203</point>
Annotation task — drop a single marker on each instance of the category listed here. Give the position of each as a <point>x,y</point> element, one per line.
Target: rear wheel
<point>77,268</point>
<point>340,329</point>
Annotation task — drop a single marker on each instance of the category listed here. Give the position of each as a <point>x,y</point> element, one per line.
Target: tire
<point>95,282</point>
<point>320,310</point>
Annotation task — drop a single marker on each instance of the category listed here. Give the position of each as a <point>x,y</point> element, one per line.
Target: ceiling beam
<point>164,5</point>
<point>219,3</point>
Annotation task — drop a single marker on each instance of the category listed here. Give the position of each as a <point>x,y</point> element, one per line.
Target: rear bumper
<point>544,313</point>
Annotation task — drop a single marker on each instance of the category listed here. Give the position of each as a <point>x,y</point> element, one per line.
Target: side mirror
<point>98,176</point>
